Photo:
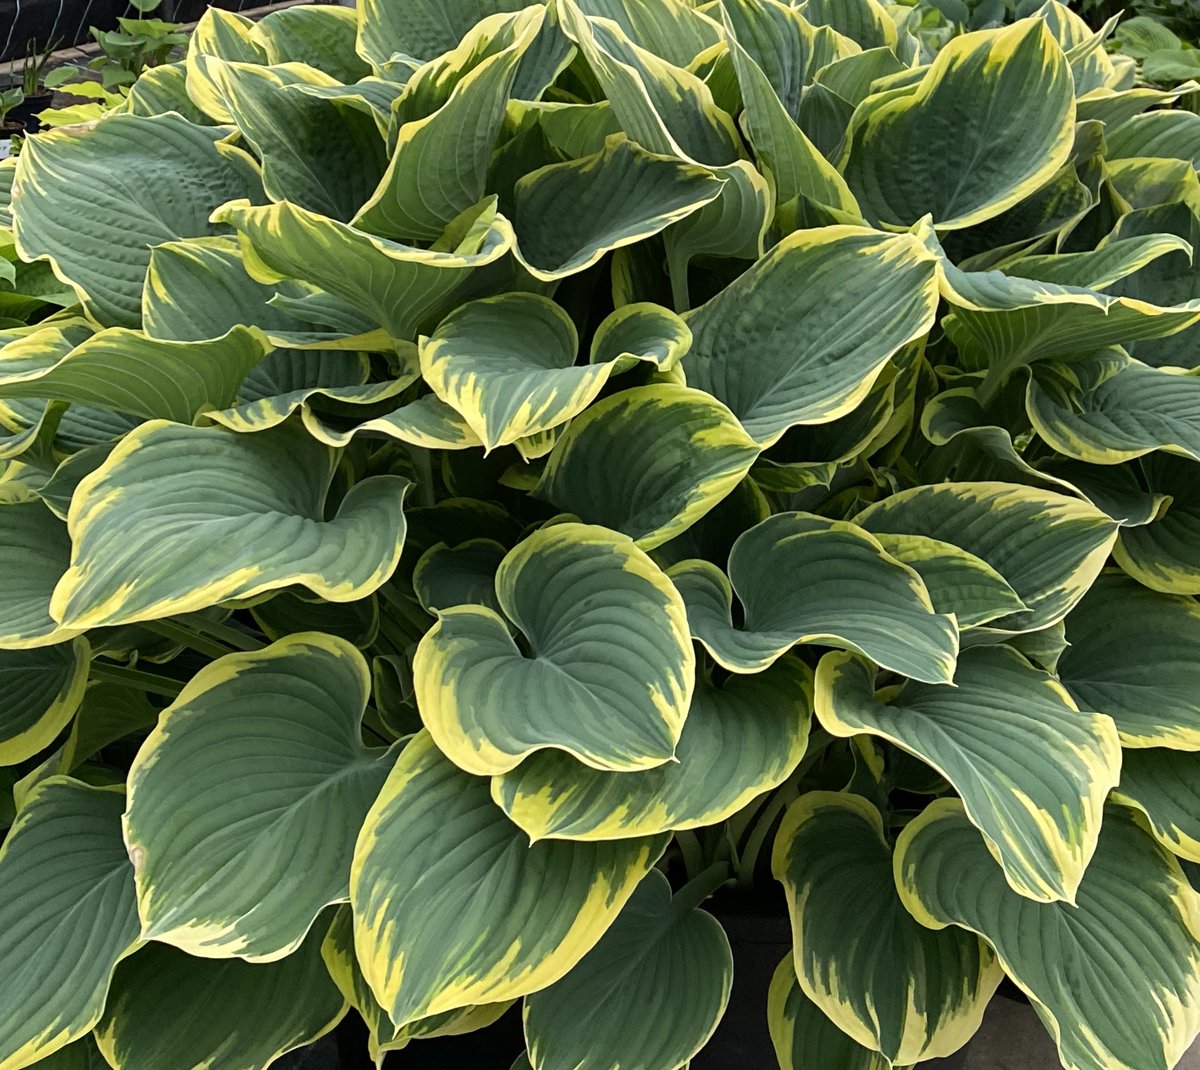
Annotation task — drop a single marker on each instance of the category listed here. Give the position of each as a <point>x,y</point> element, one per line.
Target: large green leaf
<point>958,582</point>
<point>320,157</point>
<point>174,1012</point>
<point>648,995</point>
<point>1115,977</point>
<point>887,982</point>
<point>439,163</point>
<point>402,289</point>
<point>800,578</point>
<point>1032,770</point>
<point>1164,554</point>
<point>1134,654</point>
<point>1165,786</point>
<point>453,907</point>
<point>663,107</point>
<point>129,372</point>
<point>953,147</point>
<point>420,28</point>
<point>802,335</point>
<point>604,670</point>
<point>1003,322</point>
<point>245,799</point>
<point>1113,408</point>
<point>383,1036</point>
<point>648,462</point>
<point>323,37</point>
<point>42,690</point>
<point>507,363</point>
<point>740,739</point>
<point>802,1034</point>
<point>95,202</point>
<point>179,518</point>
<point>631,194</point>
<point>1049,547</point>
<point>793,161</point>
<point>67,917</point>
<point>1169,280</point>
<point>35,551</point>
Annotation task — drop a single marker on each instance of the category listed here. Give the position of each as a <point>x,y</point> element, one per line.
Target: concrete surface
<point>1012,1038</point>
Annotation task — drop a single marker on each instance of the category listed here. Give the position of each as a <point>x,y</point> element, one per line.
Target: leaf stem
<point>700,887</point>
<point>693,854</point>
<point>146,681</point>
<point>185,636</point>
<point>224,633</point>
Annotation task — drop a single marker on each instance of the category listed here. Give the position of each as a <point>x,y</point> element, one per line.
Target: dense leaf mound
<point>477,478</point>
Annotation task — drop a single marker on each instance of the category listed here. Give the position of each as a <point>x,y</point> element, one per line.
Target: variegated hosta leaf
<point>1033,771</point>
<point>802,335</point>
<point>67,917</point>
<point>631,195</point>
<point>225,35</point>
<point>649,994</point>
<point>245,799</point>
<point>94,202</point>
<point>35,551</point>
<point>319,157</point>
<point>958,582</point>
<point>1164,554</point>
<point>952,147</point>
<point>803,579</point>
<point>162,89</point>
<point>648,462</point>
<point>199,289</point>
<point>982,450</point>
<point>740,739</point>
<point>1134,654</point>
<point>340,959</point>
<point>1048,547</point>
<point>605,671</point>
<point>423,29</point>
<point>401,288</point>
<point>1171,279</point>
<point>1003,322</point>
<point>457,576</point>
<point>42,689</point>
<point>439,162</point>
<point>802,1034</point>
<point>674,29</point>
<point>888,983</point>
<point>1109,410</point>
<point>1115,977</point>
<point>507,363</point>
<point>661,106</point>
<point>453,907</point>
<point>1165,786</point>
<point>180,518</point>
<point>174,1012</point>
<point>131,373</point>
<point>793,161</point>
<point>323,37</point>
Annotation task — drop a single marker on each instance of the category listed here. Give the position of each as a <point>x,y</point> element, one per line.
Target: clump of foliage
<point>488,474</point>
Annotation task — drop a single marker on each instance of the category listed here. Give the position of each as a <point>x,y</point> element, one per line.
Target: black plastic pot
<point>760,936</point>
<point>29,109</point>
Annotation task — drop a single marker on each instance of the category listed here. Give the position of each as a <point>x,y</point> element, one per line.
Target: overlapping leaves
<point>475,476</point>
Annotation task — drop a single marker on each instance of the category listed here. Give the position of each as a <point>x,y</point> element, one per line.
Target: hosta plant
<point>494,477</point>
